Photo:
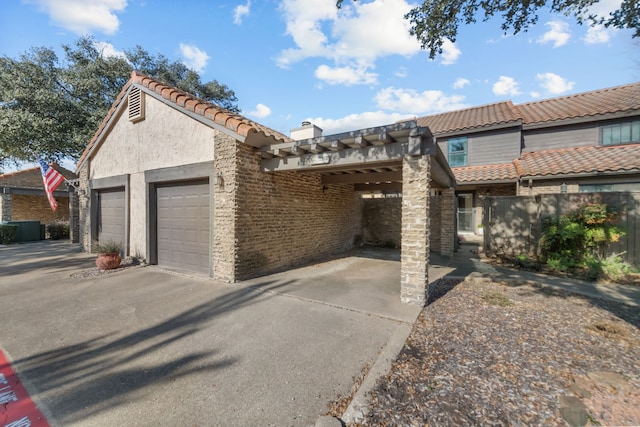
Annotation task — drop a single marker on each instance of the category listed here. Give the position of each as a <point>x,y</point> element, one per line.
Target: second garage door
<point>183,226</point>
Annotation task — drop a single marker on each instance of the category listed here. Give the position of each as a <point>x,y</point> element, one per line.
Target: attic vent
<point>136,105</point>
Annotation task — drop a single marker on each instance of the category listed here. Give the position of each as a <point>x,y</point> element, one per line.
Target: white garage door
<point>183,226</point>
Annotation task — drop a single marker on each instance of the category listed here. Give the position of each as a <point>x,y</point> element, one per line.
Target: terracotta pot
<point>108,261</point>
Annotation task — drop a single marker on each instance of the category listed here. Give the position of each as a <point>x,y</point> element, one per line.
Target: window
<point>458,151</point>
<point>621,133</point>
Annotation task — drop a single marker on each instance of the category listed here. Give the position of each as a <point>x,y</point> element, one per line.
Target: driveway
<point>144,346</point>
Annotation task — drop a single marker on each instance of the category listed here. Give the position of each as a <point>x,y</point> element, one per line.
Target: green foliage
<point>433,21</point>
<point>51,108</point>
<point>107,247</point>
<point>58,230</point>
<point>579,239</point>
<point>8,233</point>
<point>614,267</point>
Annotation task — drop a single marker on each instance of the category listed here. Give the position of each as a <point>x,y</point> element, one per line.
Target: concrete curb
<point>358,408</point>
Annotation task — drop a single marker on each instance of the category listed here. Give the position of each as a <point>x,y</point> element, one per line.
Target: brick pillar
<point>74,217</point>
<point>415,229</point>
<point>5,207</point>
<point>447,222</point>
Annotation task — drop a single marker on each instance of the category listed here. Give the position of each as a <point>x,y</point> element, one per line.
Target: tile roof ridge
<point>475,107</point>
<point>581,148</point>
<point>580,94</point>
<point>14,173</point>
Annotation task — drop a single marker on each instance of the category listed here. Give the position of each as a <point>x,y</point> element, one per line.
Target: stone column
<point>5,207</point>
<point>447,222</point>
<point>415,229</point>
<point>74,217</point>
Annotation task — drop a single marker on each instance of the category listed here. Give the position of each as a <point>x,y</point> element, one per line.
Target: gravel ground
<point>497,354</point>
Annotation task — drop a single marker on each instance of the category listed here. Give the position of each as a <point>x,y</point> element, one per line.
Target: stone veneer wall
<point>83,208</point>
<point>282,219</point>
<point>36,208</point>
<point>5,207</point>
<point>414,271</point>
<point>382,222</point>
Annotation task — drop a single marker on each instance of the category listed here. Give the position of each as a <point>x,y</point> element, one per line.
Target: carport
<point>398,157</point>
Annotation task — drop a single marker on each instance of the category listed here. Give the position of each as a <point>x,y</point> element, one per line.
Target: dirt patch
<point>537,361</point>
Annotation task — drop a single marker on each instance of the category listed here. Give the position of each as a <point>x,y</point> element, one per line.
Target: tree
<point>51,109</point>
<point>433,21</point>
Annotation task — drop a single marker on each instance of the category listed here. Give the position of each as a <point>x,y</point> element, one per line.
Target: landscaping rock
<point>573,411</point>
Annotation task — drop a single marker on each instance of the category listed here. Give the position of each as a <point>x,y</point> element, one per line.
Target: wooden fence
<point>513,224</point>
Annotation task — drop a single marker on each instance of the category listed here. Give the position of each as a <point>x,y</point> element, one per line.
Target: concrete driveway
<point>144,346</point>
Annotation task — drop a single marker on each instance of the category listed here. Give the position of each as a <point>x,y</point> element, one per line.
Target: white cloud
<point>357,121</point>
<point>240,12</point>
<point>603,8</point>
<point>410,101</point>
<point>194,57</point>
<point>534,94</point>
<point>83,16</point>
<point>108,50</point>
<point>598,34</point>
<point>559,34</point>
<point>260,112</point>
<point>402,72</point>
<point>359,33</point>
<point>553,83</point>
<point>450,52</point>
<point>348,76</point>
<point>506,86</point>
<point>460,83</point>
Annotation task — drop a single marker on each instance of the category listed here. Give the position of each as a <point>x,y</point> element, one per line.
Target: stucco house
<point>185,184</point>
<point>22,196</point>
<point>584,142</point>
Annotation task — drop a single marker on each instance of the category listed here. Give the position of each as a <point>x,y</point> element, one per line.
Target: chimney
<point>306,131</point>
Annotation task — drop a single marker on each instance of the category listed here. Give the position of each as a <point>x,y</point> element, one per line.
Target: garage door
<point>111,218</point>
<point>183,226</point>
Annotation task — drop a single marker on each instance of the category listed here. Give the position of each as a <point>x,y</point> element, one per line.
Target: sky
<point>294,60</point>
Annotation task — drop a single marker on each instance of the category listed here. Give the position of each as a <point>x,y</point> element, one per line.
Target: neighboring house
<point>579,143</point>
<point>185,184</point>
<point>22,196</point>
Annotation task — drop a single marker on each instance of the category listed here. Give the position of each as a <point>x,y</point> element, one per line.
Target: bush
<point>58,230</point>
<point>576,242</point>
<point>8,233</point>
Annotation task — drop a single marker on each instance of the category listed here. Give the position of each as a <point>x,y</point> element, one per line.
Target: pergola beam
<point>382,186</point>
<point>360,178</point>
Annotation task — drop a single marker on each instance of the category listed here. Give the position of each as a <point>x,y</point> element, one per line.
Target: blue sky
<point>295,60</point>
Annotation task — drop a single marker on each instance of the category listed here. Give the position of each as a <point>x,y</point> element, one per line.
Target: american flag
<point>52,179</point>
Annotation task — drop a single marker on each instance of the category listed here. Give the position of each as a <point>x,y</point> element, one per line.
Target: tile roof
<point>485,173</point>
<point>579,160</point>
<point>230,120</point>
<point>471,118</point>
<point>32,177</point>
<point>587,104</point>
<point>603,101</point>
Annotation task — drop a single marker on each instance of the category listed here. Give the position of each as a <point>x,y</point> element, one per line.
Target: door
<point>183,217</point>
<point>111,216</point>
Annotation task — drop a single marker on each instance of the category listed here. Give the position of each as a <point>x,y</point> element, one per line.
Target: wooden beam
<point>337,145</point>
<point>279,152</point>
<point>297,151</point>
<point>384,186</point>
<point>367,157</point>
<point>362,178</point>
<point>439,175</point>
<point>317,148</point>
<point>385,138</point>
<point>361,142</point>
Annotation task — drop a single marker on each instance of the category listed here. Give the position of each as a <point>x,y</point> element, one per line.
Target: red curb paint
<point>16,407</point>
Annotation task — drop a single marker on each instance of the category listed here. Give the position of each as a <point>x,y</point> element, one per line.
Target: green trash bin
<point>28,231</point>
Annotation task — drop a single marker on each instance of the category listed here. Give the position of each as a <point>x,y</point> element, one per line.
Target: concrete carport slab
<point>144,346</point>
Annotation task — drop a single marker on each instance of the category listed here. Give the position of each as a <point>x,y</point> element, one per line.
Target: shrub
<point>8,233</point>
<point>58,230</point>
<point>107,247</point>
<point>614,267</point>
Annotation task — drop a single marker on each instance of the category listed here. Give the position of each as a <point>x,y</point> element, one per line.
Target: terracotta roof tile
<point>471,118</point>
<point>579,160</point>
<point>594,103</point>
<point>232,121</point>
<point>485,173</point>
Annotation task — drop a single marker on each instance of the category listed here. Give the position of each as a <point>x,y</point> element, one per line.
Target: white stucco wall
<point>165,138</point>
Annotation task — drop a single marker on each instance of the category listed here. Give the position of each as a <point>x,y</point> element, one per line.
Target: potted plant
<point>108,255</point>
